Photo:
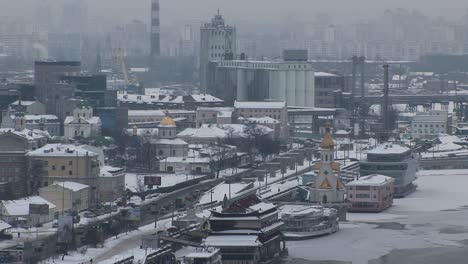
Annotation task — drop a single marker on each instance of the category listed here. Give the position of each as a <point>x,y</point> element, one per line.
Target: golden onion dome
<point>327,141</point>
<point>167,121</point>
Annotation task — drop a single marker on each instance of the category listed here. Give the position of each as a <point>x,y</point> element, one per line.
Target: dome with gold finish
<point>327,142</point>
<point>167,121</point>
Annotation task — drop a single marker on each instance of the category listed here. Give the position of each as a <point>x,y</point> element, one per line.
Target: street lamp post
<point>211,199</point>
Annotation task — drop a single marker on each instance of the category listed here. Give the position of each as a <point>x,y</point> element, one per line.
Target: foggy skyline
<point>257,10</point>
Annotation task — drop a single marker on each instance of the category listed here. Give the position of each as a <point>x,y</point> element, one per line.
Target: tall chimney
<point>353,76</point>
<point>362,61</point>
<point>155,29</point>
<point>385,102</point>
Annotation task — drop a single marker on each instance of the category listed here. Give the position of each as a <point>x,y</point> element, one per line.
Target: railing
<point>128,260</point>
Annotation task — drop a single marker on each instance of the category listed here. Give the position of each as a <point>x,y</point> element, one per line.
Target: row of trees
<point>254,141</point>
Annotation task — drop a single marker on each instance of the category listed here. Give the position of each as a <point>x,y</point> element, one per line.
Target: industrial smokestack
<point>385,112</point>
<point>355,62</point>
<point>155,29</point>
<point>362,61</point>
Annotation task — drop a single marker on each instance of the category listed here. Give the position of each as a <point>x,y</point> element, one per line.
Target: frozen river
<point>430,226</point>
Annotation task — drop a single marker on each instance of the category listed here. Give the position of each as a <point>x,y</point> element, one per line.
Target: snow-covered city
<point>233,132</point>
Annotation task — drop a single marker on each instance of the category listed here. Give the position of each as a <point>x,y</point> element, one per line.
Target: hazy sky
<point>258,10</point>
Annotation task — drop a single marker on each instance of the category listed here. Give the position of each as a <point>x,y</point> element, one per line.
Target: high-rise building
<point>49,86</point>
<point>155,29</point>
<point>217,42</point>
<point>74,16</point>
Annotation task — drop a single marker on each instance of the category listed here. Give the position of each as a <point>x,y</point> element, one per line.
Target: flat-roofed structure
<point>372,193</point>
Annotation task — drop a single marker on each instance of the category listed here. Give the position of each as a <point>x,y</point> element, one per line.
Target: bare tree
<point>218,157</point>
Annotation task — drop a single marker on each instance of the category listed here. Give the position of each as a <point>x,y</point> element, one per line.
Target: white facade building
<point>16,211</point>
<point>289,81</point>
<point>82,124</point>
<point>430,124</point>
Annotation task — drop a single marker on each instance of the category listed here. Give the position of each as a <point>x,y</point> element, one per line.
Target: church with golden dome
<point>327,188</point>
<point>167,144</point>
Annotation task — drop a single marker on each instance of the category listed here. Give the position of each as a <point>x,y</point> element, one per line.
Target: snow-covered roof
<point>205,98</point>
<point>139,69</point>
<point>262,120</point>
<point>26,133</point>
<point>239,129</point>
<point>324,74</point>
<point>372,180</point>
<point>389,148</point>
<point>25,103</point>
<point>205,131</point>
<point>299,210</point>
<point>39,117</point>
<point>342,132</point>
<point>20,207</point>
<point>109,171</point>
<point>61,150</point>
<point>203,253</point>
<point>4,225</point>
<point>232,241</point>
<point>73,186</point>
<point>262,207</point>
<point>257,105</point>
<point>187,160</point>
<point>175,141</point>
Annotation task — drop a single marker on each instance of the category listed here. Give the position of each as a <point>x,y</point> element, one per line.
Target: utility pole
<point>211,199</point>
<point>385,113</point>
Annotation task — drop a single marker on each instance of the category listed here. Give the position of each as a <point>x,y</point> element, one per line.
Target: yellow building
<point>67,196</point>
<point>62,163</point>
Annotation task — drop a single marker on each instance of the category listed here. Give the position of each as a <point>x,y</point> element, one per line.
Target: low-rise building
<point>325,86</point>
<point>65,162</point>
<point>395,161</point>
<point>246,231</point>
<point>19,121</point>
<point>15,179</point>
<point>274,110</point>
<point>111,184</point>
<point>16,212</point>
<point>372,193</point>
<point>430,124</point>
<point>214,115</point>
<point>29,107</point>
<point>67,196</point>
<point>82,124</point>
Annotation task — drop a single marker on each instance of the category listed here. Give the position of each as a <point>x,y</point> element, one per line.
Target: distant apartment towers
<point>155,29</point>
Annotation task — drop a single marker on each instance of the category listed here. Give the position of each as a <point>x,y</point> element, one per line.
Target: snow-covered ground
<point>114,249</point>
<point>237,189</point>
<point>436,215</point>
